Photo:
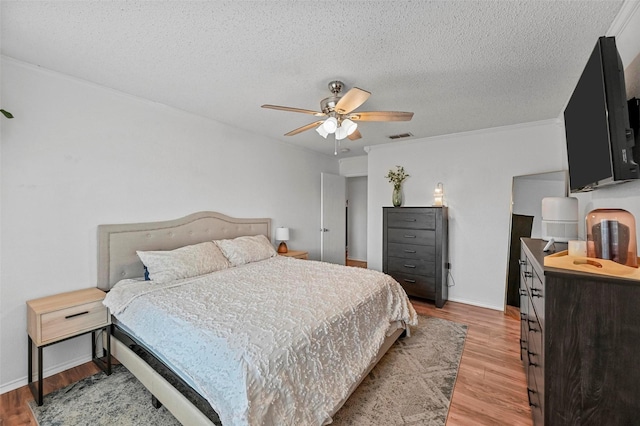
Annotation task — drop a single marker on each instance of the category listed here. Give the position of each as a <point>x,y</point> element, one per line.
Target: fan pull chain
<point>335,145</point>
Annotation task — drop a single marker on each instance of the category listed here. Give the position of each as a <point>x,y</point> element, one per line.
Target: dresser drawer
<point>411,236</point>
<point>416,285</point>
<point>536,399</point>
<point>411,251</point>
<point>537,295</point>
<point>535,352</point>
<point>412,220</point>
<point>411,266</point>
<point>57,325</point>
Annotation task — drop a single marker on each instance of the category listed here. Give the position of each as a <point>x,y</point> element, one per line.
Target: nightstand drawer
<point>57,325</point>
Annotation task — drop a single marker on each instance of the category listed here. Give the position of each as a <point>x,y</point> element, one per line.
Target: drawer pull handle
<point>529,393</point>
<point>76,315</point>
<point>409,236</point>
<point>409,266</point>
<point>523,292</point>
<point>409,220</point>
<point>528,274</point>
<point>409,251</point>
<point>522,262</point>
<point>536,292</point>
<point>409,281</point>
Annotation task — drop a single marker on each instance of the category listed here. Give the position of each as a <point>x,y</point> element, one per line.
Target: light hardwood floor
<point>490,389</point>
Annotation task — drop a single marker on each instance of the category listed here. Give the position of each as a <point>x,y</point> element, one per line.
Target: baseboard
<point>18,383</point>
<point>473,303</point>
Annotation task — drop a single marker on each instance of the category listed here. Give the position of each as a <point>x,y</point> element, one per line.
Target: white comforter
<point>275,342</point>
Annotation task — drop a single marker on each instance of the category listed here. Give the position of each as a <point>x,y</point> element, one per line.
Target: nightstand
<point>296,253</point>
<point>63,316</point>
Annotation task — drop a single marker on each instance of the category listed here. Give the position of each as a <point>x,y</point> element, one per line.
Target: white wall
<point>78,155</point>
<point>353,166</point>
<point>357,218</point>
<point>476,169</point>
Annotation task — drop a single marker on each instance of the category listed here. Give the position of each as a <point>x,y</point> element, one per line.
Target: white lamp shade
<point>349,125</point>
<point>330,124</point>
<point>282,234</point>
<point>321,131</point>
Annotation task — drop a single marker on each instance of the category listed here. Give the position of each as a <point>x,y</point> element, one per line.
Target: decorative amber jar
<point>611,235</point>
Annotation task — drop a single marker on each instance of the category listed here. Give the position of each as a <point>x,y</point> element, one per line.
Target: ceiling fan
<point>341,117</point>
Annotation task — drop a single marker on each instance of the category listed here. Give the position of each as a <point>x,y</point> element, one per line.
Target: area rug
<point>411,385</point>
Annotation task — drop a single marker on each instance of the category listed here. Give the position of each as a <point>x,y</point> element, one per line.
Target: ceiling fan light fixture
<point>341,132</point>
<point>321,131</point>
<point>349,125</point>
<point>330,125</point>
<point>340,118</point>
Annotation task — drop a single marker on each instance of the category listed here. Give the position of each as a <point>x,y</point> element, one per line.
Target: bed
<point>265,340</point>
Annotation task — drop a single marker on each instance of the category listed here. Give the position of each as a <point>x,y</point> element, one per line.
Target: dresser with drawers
<point>415,250</point>
<point>579,342</point>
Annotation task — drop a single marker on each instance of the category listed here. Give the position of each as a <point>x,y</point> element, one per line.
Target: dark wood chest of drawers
<point>415,250</point>
<point>580,339</point>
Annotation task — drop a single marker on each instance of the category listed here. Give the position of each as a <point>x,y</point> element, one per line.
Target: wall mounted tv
<point>599,138</point>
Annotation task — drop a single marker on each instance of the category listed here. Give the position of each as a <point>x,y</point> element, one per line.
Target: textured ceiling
<point>458,65</point>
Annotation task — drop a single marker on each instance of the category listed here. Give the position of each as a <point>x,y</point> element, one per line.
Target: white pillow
<point>248,249</point>
<point>184,262</point>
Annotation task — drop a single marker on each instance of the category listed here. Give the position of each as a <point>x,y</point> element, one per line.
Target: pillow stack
<point>204,258</point>
<point>243,250</point>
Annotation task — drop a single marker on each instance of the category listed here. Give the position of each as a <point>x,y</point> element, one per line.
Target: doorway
<point>356,236</point>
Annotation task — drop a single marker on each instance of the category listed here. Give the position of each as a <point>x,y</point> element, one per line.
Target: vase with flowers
<point>396,177</point>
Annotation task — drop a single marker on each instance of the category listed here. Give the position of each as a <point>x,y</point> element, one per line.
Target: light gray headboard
<point>117,244</point>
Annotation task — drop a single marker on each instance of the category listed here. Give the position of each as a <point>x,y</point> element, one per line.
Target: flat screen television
<point>599,138</point>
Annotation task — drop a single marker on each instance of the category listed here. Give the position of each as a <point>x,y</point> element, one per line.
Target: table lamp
<point>438,195</point>
<point>282,235</point>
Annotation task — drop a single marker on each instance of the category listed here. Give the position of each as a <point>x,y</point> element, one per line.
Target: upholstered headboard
<point>117,244</point>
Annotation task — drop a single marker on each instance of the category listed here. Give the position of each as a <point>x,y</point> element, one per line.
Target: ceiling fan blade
<point>355,135</point>
<point>304,128</point>
<point>304,111</point>
<point>351,100</point>
<point>381,116</point>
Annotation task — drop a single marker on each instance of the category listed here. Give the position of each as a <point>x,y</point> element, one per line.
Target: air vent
<point>400,136</point>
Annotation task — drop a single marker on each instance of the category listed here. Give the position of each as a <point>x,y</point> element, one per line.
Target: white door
<point>333,220</point>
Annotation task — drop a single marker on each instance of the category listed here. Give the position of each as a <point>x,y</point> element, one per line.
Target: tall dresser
<point>415,250</point>
<point>580,340</point>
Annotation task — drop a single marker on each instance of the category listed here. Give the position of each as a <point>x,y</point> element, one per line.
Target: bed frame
<point>117,260</point>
